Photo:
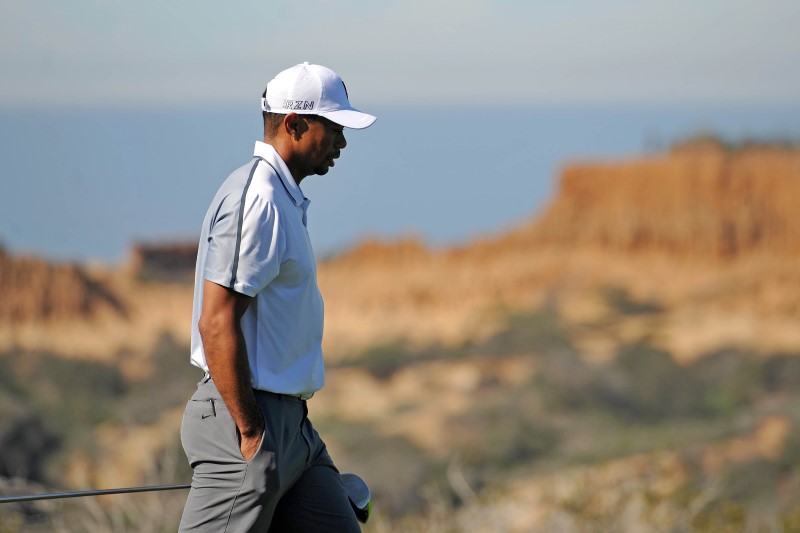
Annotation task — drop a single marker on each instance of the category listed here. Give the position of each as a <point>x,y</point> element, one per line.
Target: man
<point>258,463</point>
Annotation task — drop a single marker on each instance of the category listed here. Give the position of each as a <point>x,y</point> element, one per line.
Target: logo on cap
<point>303,105</point>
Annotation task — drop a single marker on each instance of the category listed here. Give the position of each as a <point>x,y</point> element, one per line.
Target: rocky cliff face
<point>35,290</point>
<point>706,232</point>
<point>701,199</point>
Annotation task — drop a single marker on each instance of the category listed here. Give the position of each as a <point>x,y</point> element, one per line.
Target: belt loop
<point>206,378</point>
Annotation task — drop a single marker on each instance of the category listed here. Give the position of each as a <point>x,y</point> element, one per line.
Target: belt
<point>297,397</point>
<point>301,397</point>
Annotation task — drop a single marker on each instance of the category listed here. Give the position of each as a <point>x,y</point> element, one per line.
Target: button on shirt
<point>254,240</point>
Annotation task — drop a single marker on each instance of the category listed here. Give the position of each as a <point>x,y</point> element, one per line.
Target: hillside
<point>705,234</point>
<point>633,347</point>
<point>37,291</point>
<point>699,200</point>
<point>702,228</point>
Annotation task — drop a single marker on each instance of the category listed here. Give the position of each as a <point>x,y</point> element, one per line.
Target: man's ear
<point>294,125</point>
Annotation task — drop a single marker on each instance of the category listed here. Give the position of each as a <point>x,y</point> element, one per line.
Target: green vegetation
<point>496,439</point>
<point>621,301</point>
<point>645,385</point>
<point>574,413</point>
<point>49,406</point>
<point>394,475</point>
<point>171,384</point>
<point>569,413</point>
<point>759,495</point>
<point>537,331</point>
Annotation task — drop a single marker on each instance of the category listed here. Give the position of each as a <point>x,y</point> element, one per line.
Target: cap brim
<point>349,118</point>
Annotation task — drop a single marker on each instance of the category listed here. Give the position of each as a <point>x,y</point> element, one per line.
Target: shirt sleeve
<point>246,244</point>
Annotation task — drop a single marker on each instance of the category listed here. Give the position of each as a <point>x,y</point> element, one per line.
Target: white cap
<point>308,89</point>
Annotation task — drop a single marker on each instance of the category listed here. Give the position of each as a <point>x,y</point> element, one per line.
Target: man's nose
<point>341,142</point>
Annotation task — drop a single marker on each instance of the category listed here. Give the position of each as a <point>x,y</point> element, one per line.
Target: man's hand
<point>250,445</point>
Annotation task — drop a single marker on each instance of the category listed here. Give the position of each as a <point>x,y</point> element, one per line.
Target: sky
<point>480,104</point>
<point>412,52</point>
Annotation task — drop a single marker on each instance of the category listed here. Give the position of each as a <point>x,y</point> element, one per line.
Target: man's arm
<point>226,356</point>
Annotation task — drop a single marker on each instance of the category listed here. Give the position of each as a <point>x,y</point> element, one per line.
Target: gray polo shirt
<point>254,240</point>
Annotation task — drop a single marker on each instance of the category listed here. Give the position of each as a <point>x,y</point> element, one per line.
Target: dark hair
<point>272,123</point>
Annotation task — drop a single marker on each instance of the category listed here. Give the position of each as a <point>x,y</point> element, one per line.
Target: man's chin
<point>322,170</point>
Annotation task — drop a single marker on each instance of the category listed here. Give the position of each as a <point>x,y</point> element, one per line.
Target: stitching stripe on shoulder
<point>280,177</point>
<point>235,267</point>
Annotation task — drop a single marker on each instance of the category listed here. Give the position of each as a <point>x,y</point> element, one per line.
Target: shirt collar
<point>270,155</point>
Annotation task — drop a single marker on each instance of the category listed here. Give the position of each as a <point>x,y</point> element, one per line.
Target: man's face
<point>321,143</point>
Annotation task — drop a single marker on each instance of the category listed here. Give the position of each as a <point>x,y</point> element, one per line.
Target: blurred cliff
<point>626,361</point>
<point>702,199</point>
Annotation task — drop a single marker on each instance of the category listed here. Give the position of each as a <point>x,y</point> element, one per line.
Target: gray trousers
<point>289,485</point>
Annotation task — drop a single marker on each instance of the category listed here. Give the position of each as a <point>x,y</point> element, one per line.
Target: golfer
<point>259,464</point>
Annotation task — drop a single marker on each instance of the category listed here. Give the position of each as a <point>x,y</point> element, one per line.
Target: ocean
<point>84,185</point>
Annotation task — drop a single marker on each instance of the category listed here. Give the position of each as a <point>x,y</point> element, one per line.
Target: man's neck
<point>287,154</point>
